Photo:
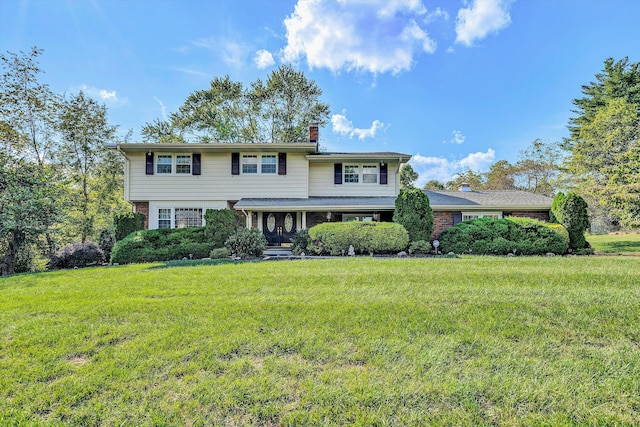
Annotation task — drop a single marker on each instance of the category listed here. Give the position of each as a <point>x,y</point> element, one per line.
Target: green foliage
<point>420,247</point>
<point>407,177</point>
<point>77,255</point>
<point>126,223</point>
<point>278,110</point>
<point>106,241</point>
<point>474,179</point>
<point>162,245</point>
<point>28,205</point>
<point>489,236</point>
<point>246,242</point>
<point>570,210</point>
<point>412,210</point>
<point>433,185</point>
<point>300,242</point>
<point>220,224</point>
<point>334,238</point>
<point>219,253</point>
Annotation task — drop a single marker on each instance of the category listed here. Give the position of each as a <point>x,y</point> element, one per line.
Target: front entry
<point>278,227</point>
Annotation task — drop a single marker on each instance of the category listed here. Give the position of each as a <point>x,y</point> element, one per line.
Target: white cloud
<point>163,109</point>
<point>444,170</point>
<point>458,138</point>
<point>377,36</point>
<point>109,97</point>
<point>343,126</point>
<point>263,59</point>
<point>437,13</point>
<point>481,18</point>
<point>232,52</point>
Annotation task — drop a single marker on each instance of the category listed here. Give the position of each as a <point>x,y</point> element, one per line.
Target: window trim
<point>274,163</point>
<point>259,164</point>
<point>172,216</point>
<point>360,173</point>
<point>174,164</point>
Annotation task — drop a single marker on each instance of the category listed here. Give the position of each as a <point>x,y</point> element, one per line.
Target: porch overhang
<point>317,204</point>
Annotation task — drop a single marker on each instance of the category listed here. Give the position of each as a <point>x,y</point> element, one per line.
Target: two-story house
<point>284,187</point>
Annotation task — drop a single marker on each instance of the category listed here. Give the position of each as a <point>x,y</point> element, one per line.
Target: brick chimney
<point>313,133</point>
<point>464,187</point>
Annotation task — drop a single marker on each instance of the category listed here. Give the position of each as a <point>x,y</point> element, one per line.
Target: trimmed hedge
<point>126,223</point>
<point>489,236</point>
<point>414,213</point>
<point>162,245</point>
<point>571,211</point>
<point>300,242</point>
<point>334,238</point>
<point>532,223</point>
<point>76,255</point>
<point>246,243</point>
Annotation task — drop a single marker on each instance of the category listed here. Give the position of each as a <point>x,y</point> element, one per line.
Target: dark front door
<point>278,227</point>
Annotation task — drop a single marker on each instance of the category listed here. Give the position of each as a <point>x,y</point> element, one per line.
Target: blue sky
<point>456,84</point>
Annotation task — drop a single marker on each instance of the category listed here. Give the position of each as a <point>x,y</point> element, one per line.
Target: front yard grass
<point>471,341</point>
<point>615,243</point>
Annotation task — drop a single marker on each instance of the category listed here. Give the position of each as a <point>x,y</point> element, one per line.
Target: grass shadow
<point>199,262</point>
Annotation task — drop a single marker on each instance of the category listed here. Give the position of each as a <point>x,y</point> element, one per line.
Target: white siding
<point>321,182</point>
<point>216,181</point>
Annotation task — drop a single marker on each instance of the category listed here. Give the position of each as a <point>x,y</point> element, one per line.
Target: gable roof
<point>291,147</point>
<point>364,156</point>
<point>488,199</point>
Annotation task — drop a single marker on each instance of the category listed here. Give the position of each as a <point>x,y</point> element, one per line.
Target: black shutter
<point>197,164</point>
<point>457,218</point>
<point>383,173</point>
<point>337,173</point>
<point>235,163</point>
<point>282,163</point>
<point>149,162</point>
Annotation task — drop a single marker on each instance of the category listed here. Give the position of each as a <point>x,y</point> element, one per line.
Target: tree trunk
<point>9,258</point>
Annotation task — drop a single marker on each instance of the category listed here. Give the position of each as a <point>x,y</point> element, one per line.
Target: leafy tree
<point>28,205</point>
<point>28,108</point>
<point>407,177</point>
<point>538,168</point>
<point>501,176</point>
<point>433,185</point>
<point>624,186</point>
<point>413,211</point>
<point>277,110</point>
<point>85,132</point>
<point>474,179</point>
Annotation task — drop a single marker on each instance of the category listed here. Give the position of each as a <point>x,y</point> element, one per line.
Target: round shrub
<point>76,255</point>
<point>246,242</point>
<point>488,236</point>
<point>300,242</point>
<point>334,238</point>
<point>219,253</point>
<point>420,247</point>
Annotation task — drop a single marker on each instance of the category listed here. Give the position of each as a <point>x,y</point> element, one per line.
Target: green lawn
<point>472,341</point>
<point>615,243</point>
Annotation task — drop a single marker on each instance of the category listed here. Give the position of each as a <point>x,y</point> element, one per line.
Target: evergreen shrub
<point>76,255</point>
<point>220,224</point>
<point>246,242</point>
<point>420,247</point>
<point>162,245</point>
<point>489,236</point>
<point>126,223</point>
<point>300,242</point>
<point>106,241</point>
<point>414,213</point>
<point>219,253</point>
<point>571,211</point>
<point>334,238</point>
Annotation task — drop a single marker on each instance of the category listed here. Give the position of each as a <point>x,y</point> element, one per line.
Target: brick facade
<point>143,208</point>
<point>441,221</point>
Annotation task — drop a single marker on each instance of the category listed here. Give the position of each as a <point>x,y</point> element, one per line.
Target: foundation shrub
<point>488,236</point>
<point>366,237</point>
<point>420,247</point>
<point>219,253</point>
<point>246,243</point>
<point>300,242</point>
<point>126,223</point>
<point>221,223</point>
<point>162,245</point>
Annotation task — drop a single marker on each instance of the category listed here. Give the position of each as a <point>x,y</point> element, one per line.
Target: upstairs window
<point>351,174</point>
<point>165,164</point>
<point>370,174</point>
<point>249,164</point>
<point>269,164</point>
<point>183,164</point>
